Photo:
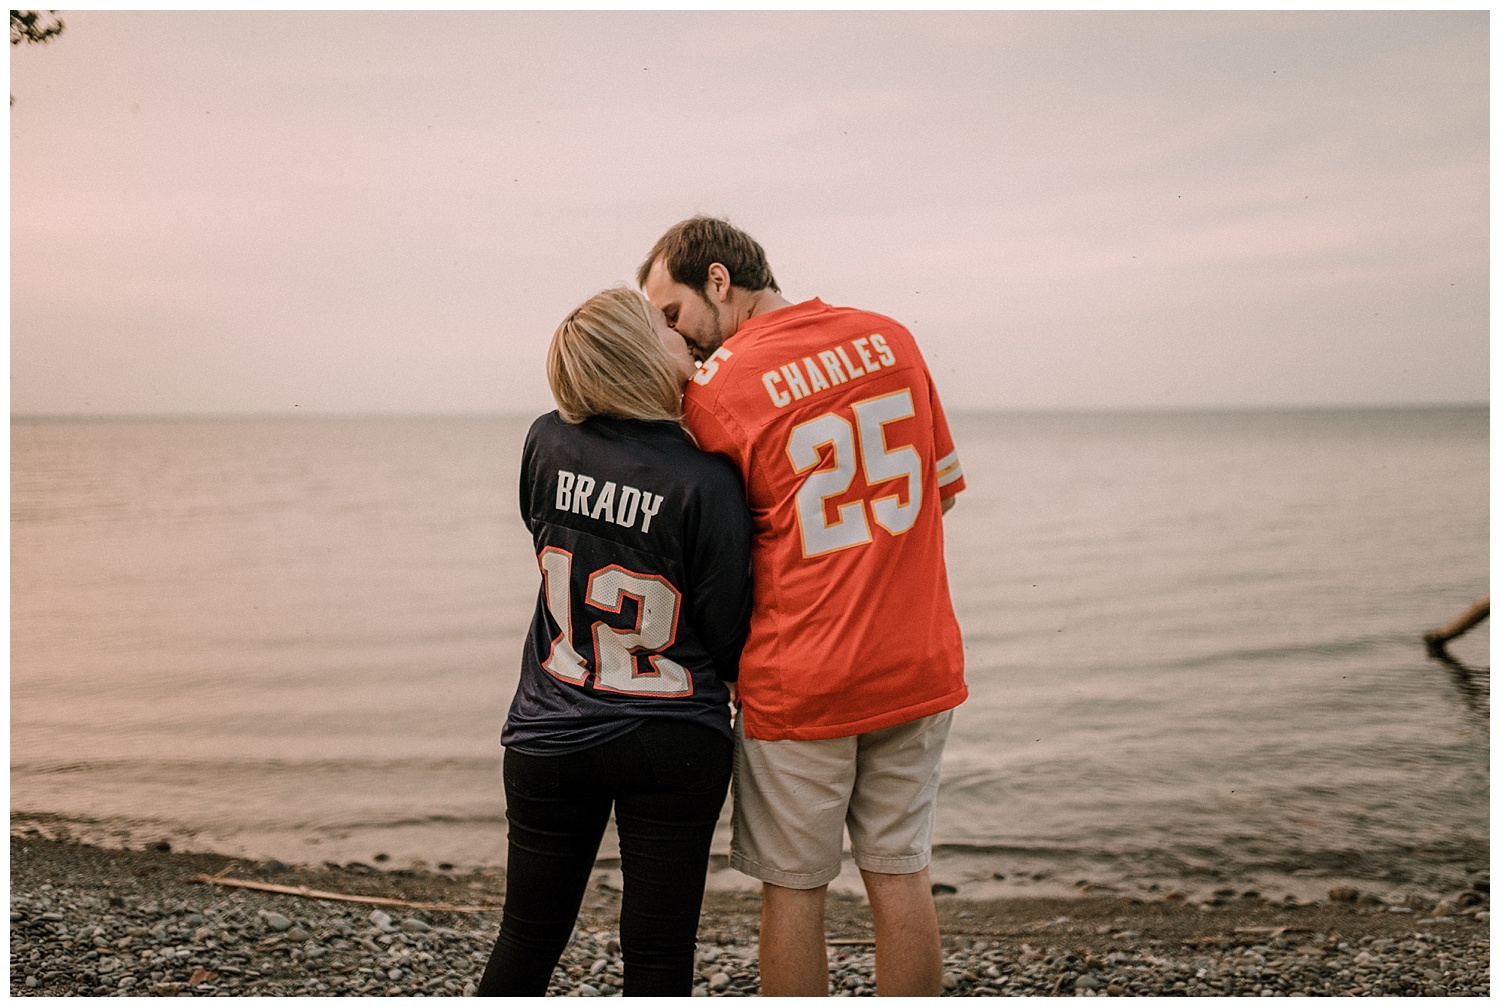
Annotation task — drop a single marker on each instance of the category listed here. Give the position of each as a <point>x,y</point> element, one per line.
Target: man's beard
<point>699,346</point>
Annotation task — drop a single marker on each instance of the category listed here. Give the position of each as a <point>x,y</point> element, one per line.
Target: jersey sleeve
<point>528,456</point>
<point>717,559</point>
<point>950,474</point>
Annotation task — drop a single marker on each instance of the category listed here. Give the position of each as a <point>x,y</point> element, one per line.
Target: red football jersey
<point>833,420</point>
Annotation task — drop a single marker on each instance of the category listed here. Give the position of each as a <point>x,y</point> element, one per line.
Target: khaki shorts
<point>792,800</point>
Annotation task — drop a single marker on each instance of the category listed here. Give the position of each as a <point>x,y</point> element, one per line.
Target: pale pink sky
<point>372,212</point>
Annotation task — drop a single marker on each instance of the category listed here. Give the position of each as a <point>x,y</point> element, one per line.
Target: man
<point>854,661</point>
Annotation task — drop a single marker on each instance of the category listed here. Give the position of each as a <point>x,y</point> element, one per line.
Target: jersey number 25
<point>657,605</point>
<point>880,461</point>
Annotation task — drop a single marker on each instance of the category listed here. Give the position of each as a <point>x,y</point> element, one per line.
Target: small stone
<point>394,974</point>
<point>585,990</point>
<point>382,921</point>
<point>297,934</point>
<point>278,922</point>
<point>1086,983</point>
<point>273,867</point>
<point>31,982</point>
<point>950,981</point>
<point>381,858</point>
<point>412,925</point>
<point>162,847</point>
<point>939,888</point>
<point>1343,893</point>
<point>719,981</point>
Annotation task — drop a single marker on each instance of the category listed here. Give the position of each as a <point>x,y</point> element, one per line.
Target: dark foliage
<point>32,26</point>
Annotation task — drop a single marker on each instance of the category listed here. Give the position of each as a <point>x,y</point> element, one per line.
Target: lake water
<point>1193,643</point>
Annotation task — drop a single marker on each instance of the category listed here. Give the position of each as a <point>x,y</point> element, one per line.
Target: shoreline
<point>981,874</point>
<point>87,920</point>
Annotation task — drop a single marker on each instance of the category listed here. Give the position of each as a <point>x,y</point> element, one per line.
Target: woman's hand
<point>734,694</point>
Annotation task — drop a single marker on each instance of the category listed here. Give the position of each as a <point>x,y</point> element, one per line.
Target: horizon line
<point>955,410</point>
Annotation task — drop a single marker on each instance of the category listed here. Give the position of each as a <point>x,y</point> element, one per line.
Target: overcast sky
<point>336,212</point>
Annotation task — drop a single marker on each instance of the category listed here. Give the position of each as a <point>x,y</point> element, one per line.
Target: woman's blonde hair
<point>606,359</point>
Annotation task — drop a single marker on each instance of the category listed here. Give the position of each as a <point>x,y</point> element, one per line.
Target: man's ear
<point>718,282</point>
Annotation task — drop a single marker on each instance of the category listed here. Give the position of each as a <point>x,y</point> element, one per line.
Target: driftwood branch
<point>312,893</point>
<point>1476,613</point>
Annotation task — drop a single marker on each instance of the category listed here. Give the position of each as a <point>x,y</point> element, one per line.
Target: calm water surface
<point>1193,642</point>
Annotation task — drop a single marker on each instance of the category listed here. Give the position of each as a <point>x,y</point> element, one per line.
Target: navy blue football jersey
<point>644,547</point>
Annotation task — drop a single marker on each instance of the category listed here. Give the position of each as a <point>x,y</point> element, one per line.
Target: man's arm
<point>948,503</point>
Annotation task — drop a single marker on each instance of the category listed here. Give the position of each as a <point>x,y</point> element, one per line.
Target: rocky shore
<point>90,921</point>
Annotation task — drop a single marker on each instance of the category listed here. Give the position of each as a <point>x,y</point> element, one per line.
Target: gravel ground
<point>88,921</point>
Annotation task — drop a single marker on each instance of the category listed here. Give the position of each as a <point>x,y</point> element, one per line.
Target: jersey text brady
<point>575,494</point>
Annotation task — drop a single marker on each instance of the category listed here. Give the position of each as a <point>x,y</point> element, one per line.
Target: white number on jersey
<point>658,604</point>
<point>818,534</point>
<point>881,463</point>
<point>563,662</point>
<point>655,628</point>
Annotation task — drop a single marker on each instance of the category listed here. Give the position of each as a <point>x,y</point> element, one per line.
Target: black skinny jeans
<point>666,781</point>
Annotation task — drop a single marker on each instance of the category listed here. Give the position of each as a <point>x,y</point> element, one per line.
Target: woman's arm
<point>718,566</point>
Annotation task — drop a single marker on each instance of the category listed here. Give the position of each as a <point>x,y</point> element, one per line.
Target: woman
<point>644,547</point>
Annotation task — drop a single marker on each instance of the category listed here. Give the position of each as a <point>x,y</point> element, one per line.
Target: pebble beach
<point>88,921</point>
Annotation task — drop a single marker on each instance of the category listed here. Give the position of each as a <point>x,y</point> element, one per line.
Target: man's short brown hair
<point>689,248</point>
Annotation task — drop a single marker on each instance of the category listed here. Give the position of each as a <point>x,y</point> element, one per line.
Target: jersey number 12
<point>657,605</point>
